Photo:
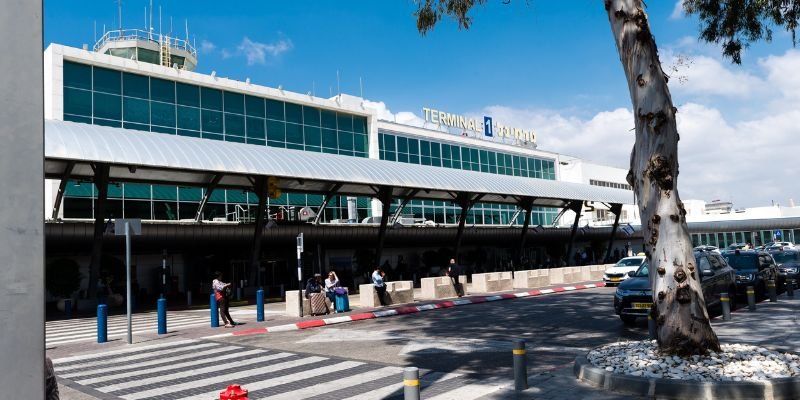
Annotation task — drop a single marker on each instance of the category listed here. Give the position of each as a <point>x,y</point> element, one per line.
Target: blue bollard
<point>102,323</point>
<point>214,312</point>
<point>260,305</point>
<point>162,316</point>
<point>68,307</point>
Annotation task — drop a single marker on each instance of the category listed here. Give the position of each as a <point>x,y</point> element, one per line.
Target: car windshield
<point>641,272</point>
<point>629,262</point>
<point>785,257</point>
<point>742,261</point>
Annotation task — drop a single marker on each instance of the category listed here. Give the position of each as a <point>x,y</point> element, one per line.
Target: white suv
<point>619,272</point>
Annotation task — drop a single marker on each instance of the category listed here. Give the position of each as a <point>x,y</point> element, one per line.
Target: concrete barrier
<point>492,282</point>
<point>530,279</point>
<point>572,274</point>
<point>397,292</point>
<point>292,306</point>
<point>556,276</point>
<point>441,287</point>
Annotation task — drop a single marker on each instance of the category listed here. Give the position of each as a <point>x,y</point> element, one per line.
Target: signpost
<point>300,271</point>
<point>128,227</point>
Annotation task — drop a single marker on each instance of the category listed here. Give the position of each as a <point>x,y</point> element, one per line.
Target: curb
<point>404,310</point>
<point>779,388</point>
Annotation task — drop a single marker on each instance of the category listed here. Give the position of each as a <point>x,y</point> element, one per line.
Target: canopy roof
<point>136,156</point>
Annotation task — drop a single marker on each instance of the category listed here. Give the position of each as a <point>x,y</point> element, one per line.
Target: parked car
<point>634,297</point>
<point>738,246</point>
<point>778,246</point>
<point>753,268</point>
<point>788,262</point>
<point>619,271</point>
<point>705,247</point>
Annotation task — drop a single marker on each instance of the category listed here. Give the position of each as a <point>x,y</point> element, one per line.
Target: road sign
<point>778,234</point>
<point>487,126</point>
<point>134,224</point>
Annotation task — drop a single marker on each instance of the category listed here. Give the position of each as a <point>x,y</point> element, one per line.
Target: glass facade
<point>103,96</point>
<point>396,147</point>
<point>757,238</point>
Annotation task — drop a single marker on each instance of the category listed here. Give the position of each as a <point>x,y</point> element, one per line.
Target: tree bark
<point>679,308</point>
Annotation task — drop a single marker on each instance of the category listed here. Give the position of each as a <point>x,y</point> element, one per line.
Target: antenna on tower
<point>150,25</point>
<point>361,86</point>
<point>95,31</point>
<point>159,21</point>
<point>119,12</point>
<point>338,88</point>
<point>145,18</point>
<point>170,25</point>
<point>313,88</point>
<point>186,21</point>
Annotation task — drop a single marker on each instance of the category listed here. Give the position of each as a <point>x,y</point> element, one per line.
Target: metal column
<point>617,210</point>
<point>61,188</point>
<point>385,196</point>
<point>210,189</point>
<point>255,257</point>
<point>328,196</point>
<point>576,206</point>
<point>101,181</point>
<point>527,205</point>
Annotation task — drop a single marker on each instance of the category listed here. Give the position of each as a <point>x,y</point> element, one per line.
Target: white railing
<point>138,34</point>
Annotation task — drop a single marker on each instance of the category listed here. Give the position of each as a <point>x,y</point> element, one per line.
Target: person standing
<point>221,290</point>
<point>453,272</point>
<point>380,285</point>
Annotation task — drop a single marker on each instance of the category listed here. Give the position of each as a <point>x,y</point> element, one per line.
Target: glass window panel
<point>107,106</point>
<point>346,140</point>
<point>390,155</point>
<point>107,122</point>
<point>212,121</point>
<point>136,110</point>
<point>276,130</point>
<point>134,85</point>
<point>330,150</point>
<point>162,129</point>
<point>107,81</point>
<point>189,118</point>
<point>315,149</point>
<point>188,133</point>
<point>115,190</point>
<point>77,75</point>
<point>310,116</point>
<point>255,128</point>
<point>165,192</point>
<point>77,101</point>
<point>162,114</point>
<point>389,143</point>
<point>329,138</point>
<point>188,95</point>
<point>211,98</point>
<point>135,126</point>
<point>276,143</point>
<point>235,139</point>
<point>425,148</point>
<point>233,102</point>
<point>413,146</point>
<point>275,110</point>
<point>402,157</point>
<point>294,133</point>
<point>254,106</point>
<point>445,152</point>
<point>328,119</point>
<point>136,191</point>
<point>312,136</point>
<point>294,113</point>
<point>234,124</point>
<point>465,157</point>
<point>359,124</point>
<point>345,122</point>
<point>162,90</point>
<point>360,143</point>
<point>436,153</point>
<point>402,144</point>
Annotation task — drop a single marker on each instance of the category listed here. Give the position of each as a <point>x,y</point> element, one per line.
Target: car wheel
<point>628,319</point>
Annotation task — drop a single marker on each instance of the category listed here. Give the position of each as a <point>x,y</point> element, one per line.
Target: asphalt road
<point>475,340</point>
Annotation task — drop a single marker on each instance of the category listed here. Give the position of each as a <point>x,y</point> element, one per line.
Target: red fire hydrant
<point>233,392</point>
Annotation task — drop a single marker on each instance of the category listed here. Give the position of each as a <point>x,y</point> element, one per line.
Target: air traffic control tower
<point>149,47</point>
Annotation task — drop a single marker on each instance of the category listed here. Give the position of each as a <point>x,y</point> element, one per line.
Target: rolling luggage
<point>342,301</point>
<point>318,305</point>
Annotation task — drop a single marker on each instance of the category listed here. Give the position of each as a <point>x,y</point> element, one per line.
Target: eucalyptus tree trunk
<point>679,309</point>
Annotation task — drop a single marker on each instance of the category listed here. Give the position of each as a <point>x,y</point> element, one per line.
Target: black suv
<point>753,268</point>
<point>634,296</point>
<point>788,261</point>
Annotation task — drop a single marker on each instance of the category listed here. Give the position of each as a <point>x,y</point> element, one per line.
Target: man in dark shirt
<point>453,272</point>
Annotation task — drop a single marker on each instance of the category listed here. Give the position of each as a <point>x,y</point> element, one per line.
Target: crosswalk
<point>199,369</point>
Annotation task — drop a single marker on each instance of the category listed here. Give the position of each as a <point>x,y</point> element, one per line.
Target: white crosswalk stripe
<point>197,369</point>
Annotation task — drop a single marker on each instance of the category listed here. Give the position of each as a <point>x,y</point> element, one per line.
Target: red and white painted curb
<point>405,310</point>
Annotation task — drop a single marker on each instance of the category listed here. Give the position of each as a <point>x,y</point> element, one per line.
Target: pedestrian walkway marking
<point>196,369</point>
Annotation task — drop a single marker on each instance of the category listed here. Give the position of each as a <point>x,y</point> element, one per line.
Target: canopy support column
<point>101,182</point>
<point>576,206</point>
<point>260,189</point>
<point>406,198</point>
<point>328,196</point>
<point>465,201</point>
<point>385,197</point>
<point>527,205</point>
<point>61,188</point>
<point>617,210</point>
<point>210,189</point>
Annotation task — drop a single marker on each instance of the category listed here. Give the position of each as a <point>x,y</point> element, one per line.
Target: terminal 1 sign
<point>486,127</point>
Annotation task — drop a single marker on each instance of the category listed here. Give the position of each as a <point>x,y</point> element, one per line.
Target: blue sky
<point>547,66</point>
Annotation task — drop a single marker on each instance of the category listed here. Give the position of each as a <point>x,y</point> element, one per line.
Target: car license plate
<point>614,279</point>
<point>642,305</point>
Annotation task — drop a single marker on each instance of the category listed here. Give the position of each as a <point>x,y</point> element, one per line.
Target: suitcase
<point>342,302</point>
<point>318,305</point>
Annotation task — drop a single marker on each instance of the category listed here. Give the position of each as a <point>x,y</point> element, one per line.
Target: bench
<point>397,292</point>
<point>492,282</point>
<point>530,279</point>
<point>441,287</point>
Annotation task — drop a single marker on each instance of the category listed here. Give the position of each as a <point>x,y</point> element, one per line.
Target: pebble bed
<point>736,362</point>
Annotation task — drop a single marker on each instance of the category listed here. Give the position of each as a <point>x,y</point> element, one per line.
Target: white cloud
<point>207,46</point>
<point>782,73</point>
<point>402,117</point>
<point>706,76</point>
<point>677,11</point>
<point>257,52</point>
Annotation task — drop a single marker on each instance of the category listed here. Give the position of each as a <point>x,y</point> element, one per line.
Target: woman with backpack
<point>221,293</point>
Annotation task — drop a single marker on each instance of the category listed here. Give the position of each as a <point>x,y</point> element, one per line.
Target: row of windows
<point>725,239</point>
<point>615,185</point>
<point>444,212</point>
<point>107,97</point>
<point>424,152</point>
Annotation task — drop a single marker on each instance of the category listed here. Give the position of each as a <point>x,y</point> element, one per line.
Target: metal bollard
<point>751,298</point>
<point>726,306</point>
<point>260,305</point>
<point>162,316</point>
<point>188,298</point>
<point>68,308</point>
<point>773,293</point>
<point>790,289</point>
<point>520,366</point>
<point>102,323</point>
<point>651,327</point>
<point>411,383</point>
<point>214,312</point>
